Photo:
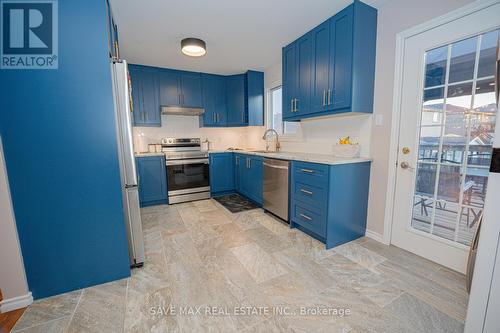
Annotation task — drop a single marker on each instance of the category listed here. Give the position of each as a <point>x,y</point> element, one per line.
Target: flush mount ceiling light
<point>193,47</point>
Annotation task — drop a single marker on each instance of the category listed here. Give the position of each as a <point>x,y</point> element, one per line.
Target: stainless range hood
<point>182,111</point>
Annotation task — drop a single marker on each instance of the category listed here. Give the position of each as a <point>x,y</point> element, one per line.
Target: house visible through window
<point>276,114</point>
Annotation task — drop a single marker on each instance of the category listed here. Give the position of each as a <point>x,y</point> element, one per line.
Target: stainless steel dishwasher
<point>275,187</point>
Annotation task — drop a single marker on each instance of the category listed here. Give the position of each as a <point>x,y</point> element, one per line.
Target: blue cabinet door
<point>152,180</point>
<point>214,101</point>
<point>170,94</point>
<point>255,98</point>
<point>191,90</point>
<point>209,118</point>
<point>151,98</point>
<point>235,88</point>
<point>320,62</point>
<point>341,50</point>
<point>145,96</point>
<point>136,86</point>
<point>304,75</point>
<point>221,173</point>
<point>254,179</point>
<point>238,162</point>
<point>289,79</point>
<point>220,101</point>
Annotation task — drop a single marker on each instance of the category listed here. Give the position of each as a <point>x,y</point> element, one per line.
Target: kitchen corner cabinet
<point>329,202</point>
<point>152,180</point>
<point>180,88</point>
<point>248,176</point>
<point>233,100</point>
<point>331,69</point>
<point>221,173</point>
<point>145,96</point>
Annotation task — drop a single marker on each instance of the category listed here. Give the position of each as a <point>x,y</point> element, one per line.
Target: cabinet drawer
<point>308,219</point>
<point>311,174</point>
<point>311,195</point>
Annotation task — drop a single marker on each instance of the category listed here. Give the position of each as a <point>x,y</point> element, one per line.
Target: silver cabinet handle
<point>237,160</point>
<point>329,97</point>
<point>291,104</point>
<point>307,170</point>
<point>218,118</point>
<point>213,118</point>
<point>306,217</point>
<point>306,191</point>
<point>324,97</point>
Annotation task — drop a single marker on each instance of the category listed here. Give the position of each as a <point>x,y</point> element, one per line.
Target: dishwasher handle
<point>275,166</point>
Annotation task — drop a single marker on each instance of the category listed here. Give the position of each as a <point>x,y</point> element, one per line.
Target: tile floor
<point>221,272</point>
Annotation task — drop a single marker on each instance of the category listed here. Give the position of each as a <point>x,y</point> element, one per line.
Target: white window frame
<point>269,116</point>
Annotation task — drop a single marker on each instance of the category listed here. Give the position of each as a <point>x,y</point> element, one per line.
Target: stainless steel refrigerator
<point>130,188</point>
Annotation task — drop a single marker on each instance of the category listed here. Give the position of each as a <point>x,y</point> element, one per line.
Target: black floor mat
<point>235,203</point>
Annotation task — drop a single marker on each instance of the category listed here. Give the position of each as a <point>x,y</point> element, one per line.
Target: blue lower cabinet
<point>152,180</point>
<point>330,202</point>
<point>248,176</point>
<point>251,178</point>
<point>221,173</point>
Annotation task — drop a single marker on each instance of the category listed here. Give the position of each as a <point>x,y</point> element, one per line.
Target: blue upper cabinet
<point>145,96</point>
<point>245,99</point>
<point>170,94</point>
<point>221,173</point>
<point>152,180</point>
<point>340,73</point>
<point>289,60</point>
<point>321,65</point>
<point>235,89</point>
<point>341,67</point>
<point>214,101</point>
<point>255,98</point>
<point>297,72</point>
<point>191,90</point>
<point>178,88</point>
<point>234,100</point>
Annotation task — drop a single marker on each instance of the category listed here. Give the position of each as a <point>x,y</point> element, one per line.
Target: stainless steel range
<point>187,170</point>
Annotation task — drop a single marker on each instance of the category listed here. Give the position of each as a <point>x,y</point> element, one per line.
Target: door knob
<point>405,165</point>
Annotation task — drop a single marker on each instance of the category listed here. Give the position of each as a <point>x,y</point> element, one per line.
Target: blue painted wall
<point>58,130</point>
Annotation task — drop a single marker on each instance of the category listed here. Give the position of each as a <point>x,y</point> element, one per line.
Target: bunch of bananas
<point>345,141</point>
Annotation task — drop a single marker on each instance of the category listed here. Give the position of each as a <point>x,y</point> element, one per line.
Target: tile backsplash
<point>316,135</point>
<point>188,127</point>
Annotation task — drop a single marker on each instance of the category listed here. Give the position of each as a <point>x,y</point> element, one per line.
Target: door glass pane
<point>487,56</point>
<point>463,58</point>
<point>430,137</point>
<point>482,124</point>
<point>426,180</point>
<point>456,136</point>
<point>435,66</point>
<point>423,208</point>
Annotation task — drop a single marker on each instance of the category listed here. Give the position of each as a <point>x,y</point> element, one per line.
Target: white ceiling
<point>240,34</point>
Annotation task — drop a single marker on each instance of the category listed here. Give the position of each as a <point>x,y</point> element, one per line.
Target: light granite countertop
<point>304,157</point>
<point>146,154</point>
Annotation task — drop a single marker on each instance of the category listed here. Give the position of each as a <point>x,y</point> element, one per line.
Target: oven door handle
<point>191,161</point>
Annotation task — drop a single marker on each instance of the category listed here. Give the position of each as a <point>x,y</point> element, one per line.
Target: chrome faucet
<point>264,137</point>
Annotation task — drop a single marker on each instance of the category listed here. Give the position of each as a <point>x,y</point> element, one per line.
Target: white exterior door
<point>447,126</point>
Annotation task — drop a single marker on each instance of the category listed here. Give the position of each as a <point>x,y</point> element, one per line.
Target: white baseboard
<point>375,236</point>
<point>16,303</point>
